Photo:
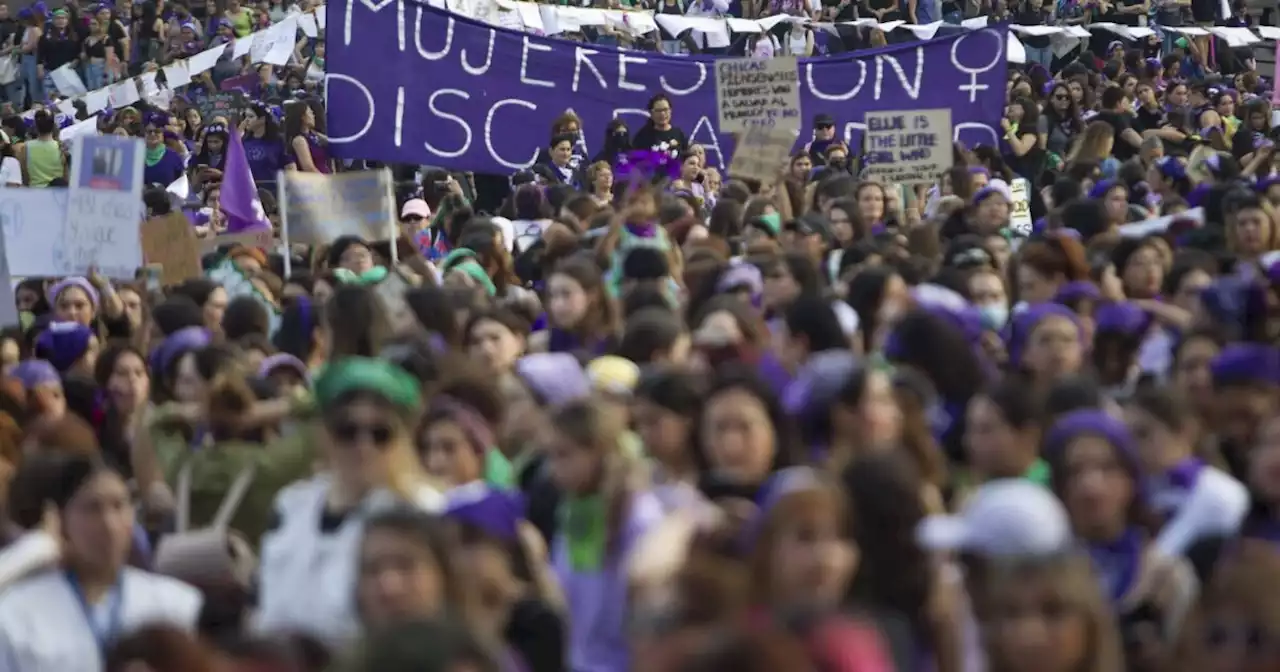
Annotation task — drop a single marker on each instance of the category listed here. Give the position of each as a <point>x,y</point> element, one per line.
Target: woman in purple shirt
<point>307,145</point>
<point>262,143</point>
<point>163,165</point>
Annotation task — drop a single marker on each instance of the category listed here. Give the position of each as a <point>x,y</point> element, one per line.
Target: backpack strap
<point>226,510</point>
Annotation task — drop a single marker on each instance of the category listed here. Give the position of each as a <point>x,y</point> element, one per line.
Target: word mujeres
<point>491,92</point>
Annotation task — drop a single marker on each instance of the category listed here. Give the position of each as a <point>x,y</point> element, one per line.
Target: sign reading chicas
<point>409,83</point>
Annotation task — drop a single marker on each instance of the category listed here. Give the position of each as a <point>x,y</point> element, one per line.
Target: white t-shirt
<point>10,172</point>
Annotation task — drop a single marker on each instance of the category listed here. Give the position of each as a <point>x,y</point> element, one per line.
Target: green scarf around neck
<point>498,470</point>
<point>370,277</point>
<point>154,154</point>
<point>586,533</point>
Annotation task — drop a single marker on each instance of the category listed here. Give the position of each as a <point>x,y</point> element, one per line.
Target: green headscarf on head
<point>370,277</point>
<point>465,260</point>
<point>365,374</point>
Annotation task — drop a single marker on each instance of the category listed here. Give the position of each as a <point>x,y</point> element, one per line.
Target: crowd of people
<point>632,412</point>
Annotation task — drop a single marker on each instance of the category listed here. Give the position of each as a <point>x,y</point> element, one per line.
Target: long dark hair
<point>614,144</point>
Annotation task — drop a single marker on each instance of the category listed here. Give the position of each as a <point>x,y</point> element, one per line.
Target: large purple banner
<point>409,83</point>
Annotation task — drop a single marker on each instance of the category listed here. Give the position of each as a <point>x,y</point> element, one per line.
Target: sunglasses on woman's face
<point>351,431</point>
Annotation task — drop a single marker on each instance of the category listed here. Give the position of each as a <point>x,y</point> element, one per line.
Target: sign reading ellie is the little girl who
<point>410,83</point>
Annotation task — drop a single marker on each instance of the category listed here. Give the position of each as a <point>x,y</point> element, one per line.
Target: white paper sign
<point>68,81</point>
<point>124,94</point>
<point>1020,208</point>
<point>177,74</point>
<point>275,44</point>
<point>104,209</point>
<point>32,223</point>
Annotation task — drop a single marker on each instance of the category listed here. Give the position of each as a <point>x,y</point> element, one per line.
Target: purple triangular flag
<point>239,201</point>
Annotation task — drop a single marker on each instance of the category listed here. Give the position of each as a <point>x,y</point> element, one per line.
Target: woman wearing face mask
<point>368,408</point>
<point>92,598</point>
<point>617,141</point>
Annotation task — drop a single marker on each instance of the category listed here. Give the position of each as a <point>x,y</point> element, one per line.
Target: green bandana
<point>773,222</point>
<point>582,521</point>
<point>498,470</point>
<point>1038,473</point>
<point>366,374</point>
<point>370,277</point>
<point>464,260</point>
<point>154,154</point>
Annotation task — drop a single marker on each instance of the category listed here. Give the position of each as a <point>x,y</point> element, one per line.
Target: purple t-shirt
<point>166,170</point>
<point>266,158</point>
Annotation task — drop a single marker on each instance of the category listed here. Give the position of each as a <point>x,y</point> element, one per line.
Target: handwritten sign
<point>170,242</point>
<point>104,208</point>
<point>757,92</point>
<point>237,284</point>
<point>226,104</point>
<point>319,208</point>
<point>911,147</point>
<point>1020,209</point>
<point>762,152</point>
<point>32,223</point>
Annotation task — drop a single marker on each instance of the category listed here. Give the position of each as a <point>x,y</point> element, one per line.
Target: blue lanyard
<point>115,601</point>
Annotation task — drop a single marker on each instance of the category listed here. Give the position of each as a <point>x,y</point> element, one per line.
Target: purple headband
<point>1122,317</point>
<point>1101,188</point>
<point>180,341</point>
<point>1077,291</point>
<point>64,343</point>
<point>556,378</point>
<point>818,381</point>
<point>469,420</point>
<point>33,373</point>
<point>284,360</point>
<point>1026,322</point>
<point>1095,422</point>
<point>741,274</point>
<point>494,512</point>
<point>74,281</point>
<point>1245,364</point>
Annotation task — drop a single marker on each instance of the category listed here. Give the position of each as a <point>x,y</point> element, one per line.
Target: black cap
<point>823,119</point>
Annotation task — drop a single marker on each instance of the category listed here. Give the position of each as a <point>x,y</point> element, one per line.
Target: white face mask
<point>994,316</point>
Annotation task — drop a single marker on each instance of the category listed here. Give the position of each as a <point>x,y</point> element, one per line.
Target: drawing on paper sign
<point>109,164</point>
<point>909,147</point>
<point>490,85</point>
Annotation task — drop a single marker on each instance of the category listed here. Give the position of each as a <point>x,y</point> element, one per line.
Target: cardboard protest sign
<point>757,92</point>
<point>318,208</point>
<point>170,241</point>
<point>104,208</point>
<point>909,147</point>
<point>762,153</point>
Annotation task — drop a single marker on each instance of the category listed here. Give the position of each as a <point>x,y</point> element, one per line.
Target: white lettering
<point>488,130</point>
<point>431,105</point>
<point>580,59</point>
<point>623,84</point>
<point>989,135</point>
<point>862,79</point>
<point>524,67</point>
<point>399,114</point>
<point>702,77</point>
<point>488,59</point>
<point>850,129</point>
<point>912,88</point>
<point>632,112</point>
<point>417,39</point>
<point>712,143</point>
<point>373,7</point>
<point>332,77</point>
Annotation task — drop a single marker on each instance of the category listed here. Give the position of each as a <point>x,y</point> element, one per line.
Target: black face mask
<point>620,133</point>
<point>838,164</point>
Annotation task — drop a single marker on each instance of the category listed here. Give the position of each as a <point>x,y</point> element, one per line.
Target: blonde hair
<point>1095,143</point>
<point>1071,577</point>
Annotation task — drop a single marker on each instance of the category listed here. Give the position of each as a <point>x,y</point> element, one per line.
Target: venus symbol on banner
<point>490,86</point>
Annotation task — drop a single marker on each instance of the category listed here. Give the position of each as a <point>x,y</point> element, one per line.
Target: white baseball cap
<point>1003,518</point>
